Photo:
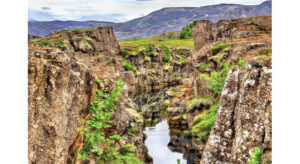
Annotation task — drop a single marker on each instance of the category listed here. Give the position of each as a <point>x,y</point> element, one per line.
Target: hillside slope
<point>164,20</point>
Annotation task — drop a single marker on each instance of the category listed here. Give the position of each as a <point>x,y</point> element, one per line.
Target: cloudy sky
<point>110,10</point>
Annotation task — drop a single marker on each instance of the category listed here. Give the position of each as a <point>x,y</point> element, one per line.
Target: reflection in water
<point>157,143</point>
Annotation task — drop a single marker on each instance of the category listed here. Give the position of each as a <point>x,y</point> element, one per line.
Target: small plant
<point>166,51</point>
<point>98,53</point>
<point>127,65</point>
<point>133,128</point>
<point>219,47</point>
<point>204,123</point>
<point>109,63</point>
<point>187,31</point>
<point>203,67</point>
<point>242,64</point>
<point>217,79</point>
<point>256,156</point>
<point>175,74</point>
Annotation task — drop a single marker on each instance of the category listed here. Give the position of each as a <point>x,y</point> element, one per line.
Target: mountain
<point>164,20</point>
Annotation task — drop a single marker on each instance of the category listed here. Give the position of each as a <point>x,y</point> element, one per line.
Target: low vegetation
<point>99,145</point>
<point>197,101</point>
<point>219,47</point>
<point>204,67</point>
<point>44,42</point>
<point>256,156</point>
<point>217,79</point>
<point>127,65</point>
<point>166,51</point>
<point>204,122</point>
<point>242,64</point>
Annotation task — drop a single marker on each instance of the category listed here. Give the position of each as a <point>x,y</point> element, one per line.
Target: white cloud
<point>111,10</point>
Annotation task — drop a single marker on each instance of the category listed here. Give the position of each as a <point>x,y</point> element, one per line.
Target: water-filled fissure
<point>157,143</point>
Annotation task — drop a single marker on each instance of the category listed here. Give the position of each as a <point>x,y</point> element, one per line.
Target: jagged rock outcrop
<point>244,119</point>
<point>206,32</point>
<point>61,85</point>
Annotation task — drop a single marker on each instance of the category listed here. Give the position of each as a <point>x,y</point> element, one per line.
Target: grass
<point>170,43</point>
<point>204,122</point>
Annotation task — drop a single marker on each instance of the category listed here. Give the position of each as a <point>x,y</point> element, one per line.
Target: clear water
<point>157,143</point>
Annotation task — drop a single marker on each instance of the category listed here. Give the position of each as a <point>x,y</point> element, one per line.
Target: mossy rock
<point>197,102</point>
<point>137,116</point>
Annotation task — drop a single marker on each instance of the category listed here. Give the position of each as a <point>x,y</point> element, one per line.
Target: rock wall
<point>244,119</point>
<point>61,85</point>
<point>207,32</point>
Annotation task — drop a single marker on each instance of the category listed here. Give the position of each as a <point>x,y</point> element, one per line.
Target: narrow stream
<point>157,143</point>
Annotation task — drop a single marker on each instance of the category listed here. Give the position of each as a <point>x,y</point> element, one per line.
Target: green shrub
<point>102,109</point>
<point>42,42</point>
<point>127,65</point>
<point>204,123</point>
<point>219,47</point>
<point>187,31</point>
<point>217,79</point>
<point>256,156</point>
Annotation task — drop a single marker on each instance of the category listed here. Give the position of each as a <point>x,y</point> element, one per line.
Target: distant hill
<point>161,21</point>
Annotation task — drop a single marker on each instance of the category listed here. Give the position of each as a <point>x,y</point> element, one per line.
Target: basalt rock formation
<point>158,82</point>
<point>244,117</point>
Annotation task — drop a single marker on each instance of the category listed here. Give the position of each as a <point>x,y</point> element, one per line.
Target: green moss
<point>171,91</point>
<point>197,101</point>
<point>204,67</point>
<point>205,121</point>
<point>174,74</point>
<point>147,58</point>
<point>256,156</point>
<point>87,43</point>
<point>266,51</point>
<point>137,116</point>
<point>219,47</point>
<point>166,66</point>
